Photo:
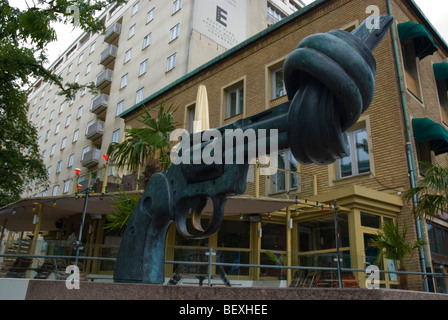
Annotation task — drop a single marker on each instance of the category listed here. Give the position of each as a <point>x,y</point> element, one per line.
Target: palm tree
<point>147,146</point>
<point>149,142</point>
<point>392,244</point>
<point>432,193</point>
<point>123,205</point>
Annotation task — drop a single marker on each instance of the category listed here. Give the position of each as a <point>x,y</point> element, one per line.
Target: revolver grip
<point>141,258</point>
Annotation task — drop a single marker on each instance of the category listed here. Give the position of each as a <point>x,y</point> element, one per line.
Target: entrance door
<point>370,251</point>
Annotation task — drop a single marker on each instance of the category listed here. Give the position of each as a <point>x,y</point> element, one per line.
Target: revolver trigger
<point>196,215</point>
<point>218,214</point>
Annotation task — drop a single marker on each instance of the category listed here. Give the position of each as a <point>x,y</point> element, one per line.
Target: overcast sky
<point>435,10</point>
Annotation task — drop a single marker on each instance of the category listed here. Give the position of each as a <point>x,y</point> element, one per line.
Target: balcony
<point>99,104</point>
<point>95,131</point>
<point>91,158</point>
<point>112,33</point>
<point>108,55</point>
<point>104,79</point>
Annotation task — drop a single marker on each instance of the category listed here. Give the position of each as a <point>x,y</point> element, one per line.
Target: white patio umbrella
<point>201,115</point>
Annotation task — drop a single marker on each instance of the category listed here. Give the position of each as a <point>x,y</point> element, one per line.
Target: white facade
<point>152,44</point>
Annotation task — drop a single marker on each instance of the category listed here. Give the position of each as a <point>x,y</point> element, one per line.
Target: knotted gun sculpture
<point>329,79</point>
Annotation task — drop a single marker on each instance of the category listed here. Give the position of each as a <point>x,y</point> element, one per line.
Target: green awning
<point>441,70</point>
<point>423,42</point>
<point>426,130</point>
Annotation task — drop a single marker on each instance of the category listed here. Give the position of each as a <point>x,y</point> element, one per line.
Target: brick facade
<point>251,63</point>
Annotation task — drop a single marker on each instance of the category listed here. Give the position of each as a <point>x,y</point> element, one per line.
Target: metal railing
<point>209,267</point>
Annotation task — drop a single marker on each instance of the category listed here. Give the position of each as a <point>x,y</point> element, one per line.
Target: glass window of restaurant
<point>273,249</point>
<point>233,246</point>
<point>317,241</point>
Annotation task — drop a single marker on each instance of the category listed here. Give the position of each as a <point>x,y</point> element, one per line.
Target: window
<point>49,171</point>
<point>174,32</point>
<point>63,143</point>
<point>135,8</point>
<point>69,69</point>
<point>59,166</point>
<point>139,95</point>
<point>84,151</point>
<point>116,136</point>
<point>61,107</point>
<point>283,181</point>
<point>370,220</point>
<point>146,41</point>
<point>359,160</point>
<point>278,83</point>
<point>171,62</point>
<point>75,135</point>
<point>76,78</point>
<point>68,120</point>
<point>234,235</point>
<point>410,66</point>
<point>234,101</point>
<point>91,122</point>
<point>128,55</point>
<point>55,190</point>
<point>47,135</point>
<point>42,122</point>
<point>92,47</point>
<point>423,156</point>
<point>43,154</point>
<point>438,239</point>
<point>143,67</point>
<point>177,5</point>
<point>56,129</point>
<point>53,149</point>
<point>132,31</point>
<point>81,57</point>
<point>66,186</point>
<point>442,90</point>
<point>38,111</point>
<point>89,67</point>
<point>120,106</point>
<point>83,91</point>
<point>47,103</point>
<point>150,15</point>
<point>318,234</point>
<point>124,81</point>
<point>79,113</point>
<point>71,159</point>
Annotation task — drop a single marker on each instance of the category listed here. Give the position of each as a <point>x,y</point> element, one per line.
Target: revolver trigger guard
<point>217,217</point>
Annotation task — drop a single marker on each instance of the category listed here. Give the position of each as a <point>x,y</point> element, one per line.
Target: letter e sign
<point>221,16</point>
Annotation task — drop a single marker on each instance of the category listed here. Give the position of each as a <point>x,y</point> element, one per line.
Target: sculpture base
<point>57,290</point>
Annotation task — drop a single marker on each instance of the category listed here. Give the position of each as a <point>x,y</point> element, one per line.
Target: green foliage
<point>124,205</point>
<point>392,243</point>
<point>432,193</point>
<point>149,142</point>
<point>24,35</point>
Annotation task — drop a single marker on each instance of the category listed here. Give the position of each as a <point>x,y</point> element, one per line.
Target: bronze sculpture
<point>329,78</point>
